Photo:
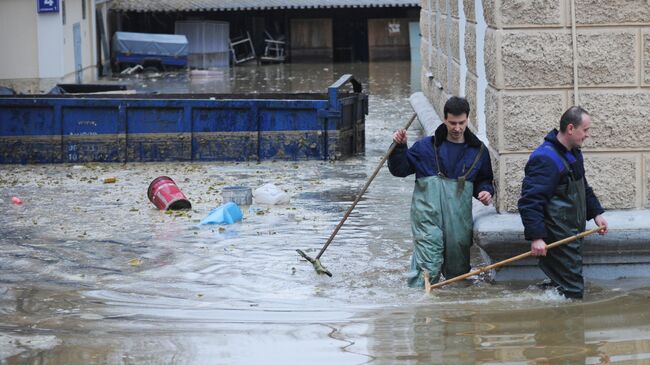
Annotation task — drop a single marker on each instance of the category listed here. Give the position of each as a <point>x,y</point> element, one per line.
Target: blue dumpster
<point>193,127</point>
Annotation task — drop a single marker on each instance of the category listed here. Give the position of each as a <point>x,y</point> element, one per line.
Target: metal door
<point>76,33</point>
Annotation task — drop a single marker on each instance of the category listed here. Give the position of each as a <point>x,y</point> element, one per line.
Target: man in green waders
<point>450,167</point>
<point>556,202</point>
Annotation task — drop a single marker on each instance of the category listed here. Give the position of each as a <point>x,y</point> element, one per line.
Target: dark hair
<point>456,106</point>
<point>573,115</point>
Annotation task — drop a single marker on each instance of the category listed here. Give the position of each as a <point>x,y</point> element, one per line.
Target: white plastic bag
<point>270,194</point>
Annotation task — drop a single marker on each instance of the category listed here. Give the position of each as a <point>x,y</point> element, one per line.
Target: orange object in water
<point>164,194</point>
<point>16,200</point>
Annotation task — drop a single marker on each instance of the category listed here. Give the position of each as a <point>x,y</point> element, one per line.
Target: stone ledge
<point>623,252</point>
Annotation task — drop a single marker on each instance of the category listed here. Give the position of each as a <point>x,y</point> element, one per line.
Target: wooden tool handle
<point>513,259</point>
<point>363,190</point>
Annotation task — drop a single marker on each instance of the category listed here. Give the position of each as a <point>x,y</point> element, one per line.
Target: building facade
<point>47,42</point>
<point>312,30</point>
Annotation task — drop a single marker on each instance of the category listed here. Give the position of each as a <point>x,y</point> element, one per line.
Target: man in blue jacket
<point>556,201</point>
<point>450,167</point>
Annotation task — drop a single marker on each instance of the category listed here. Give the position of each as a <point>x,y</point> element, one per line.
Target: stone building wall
<point>528,61</point>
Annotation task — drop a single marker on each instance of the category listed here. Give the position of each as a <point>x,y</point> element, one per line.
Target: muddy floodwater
<point>93,273</point>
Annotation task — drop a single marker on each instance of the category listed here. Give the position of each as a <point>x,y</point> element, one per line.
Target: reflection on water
<point>92,273</point>
<point>595,332</point>
<point>250,78</point>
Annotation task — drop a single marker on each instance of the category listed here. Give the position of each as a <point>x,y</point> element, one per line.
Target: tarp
<point>173,45</point>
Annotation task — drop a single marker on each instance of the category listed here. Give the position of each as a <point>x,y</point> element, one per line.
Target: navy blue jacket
<point>420,159</point>
<point>544,172</point>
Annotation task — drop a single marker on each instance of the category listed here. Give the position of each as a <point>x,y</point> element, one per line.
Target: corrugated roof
<point>221,5</point>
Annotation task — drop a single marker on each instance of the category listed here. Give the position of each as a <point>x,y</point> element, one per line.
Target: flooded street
<point>93,273</point>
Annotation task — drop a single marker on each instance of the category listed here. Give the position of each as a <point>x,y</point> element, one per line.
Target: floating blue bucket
<point>228,213</point>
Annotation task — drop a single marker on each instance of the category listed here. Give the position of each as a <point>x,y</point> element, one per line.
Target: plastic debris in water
<point>16,200</point>
<point>240,195</point>
<point>110,180</point>
<point>270,194</point>
<point>228,213</point>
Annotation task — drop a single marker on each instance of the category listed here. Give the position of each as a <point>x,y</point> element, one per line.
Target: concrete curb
<point>623,252</point>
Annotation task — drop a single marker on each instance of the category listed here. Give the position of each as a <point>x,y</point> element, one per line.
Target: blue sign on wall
<point>47,6</point>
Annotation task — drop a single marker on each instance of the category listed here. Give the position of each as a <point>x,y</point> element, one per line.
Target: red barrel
<point>164,194</point>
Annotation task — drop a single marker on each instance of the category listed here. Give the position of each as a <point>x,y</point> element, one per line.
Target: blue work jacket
<point>420,160</point>
<point>544,172</point>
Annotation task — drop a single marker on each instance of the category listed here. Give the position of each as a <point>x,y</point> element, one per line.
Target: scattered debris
<point>240,195</point>
<point>270,194</point>
<point>228,213</point>
<point>130,70</point>
<point>165,195</point>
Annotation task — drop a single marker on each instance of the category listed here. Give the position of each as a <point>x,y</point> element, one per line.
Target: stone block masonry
<point>645,61</point>
<point>529,63</point>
